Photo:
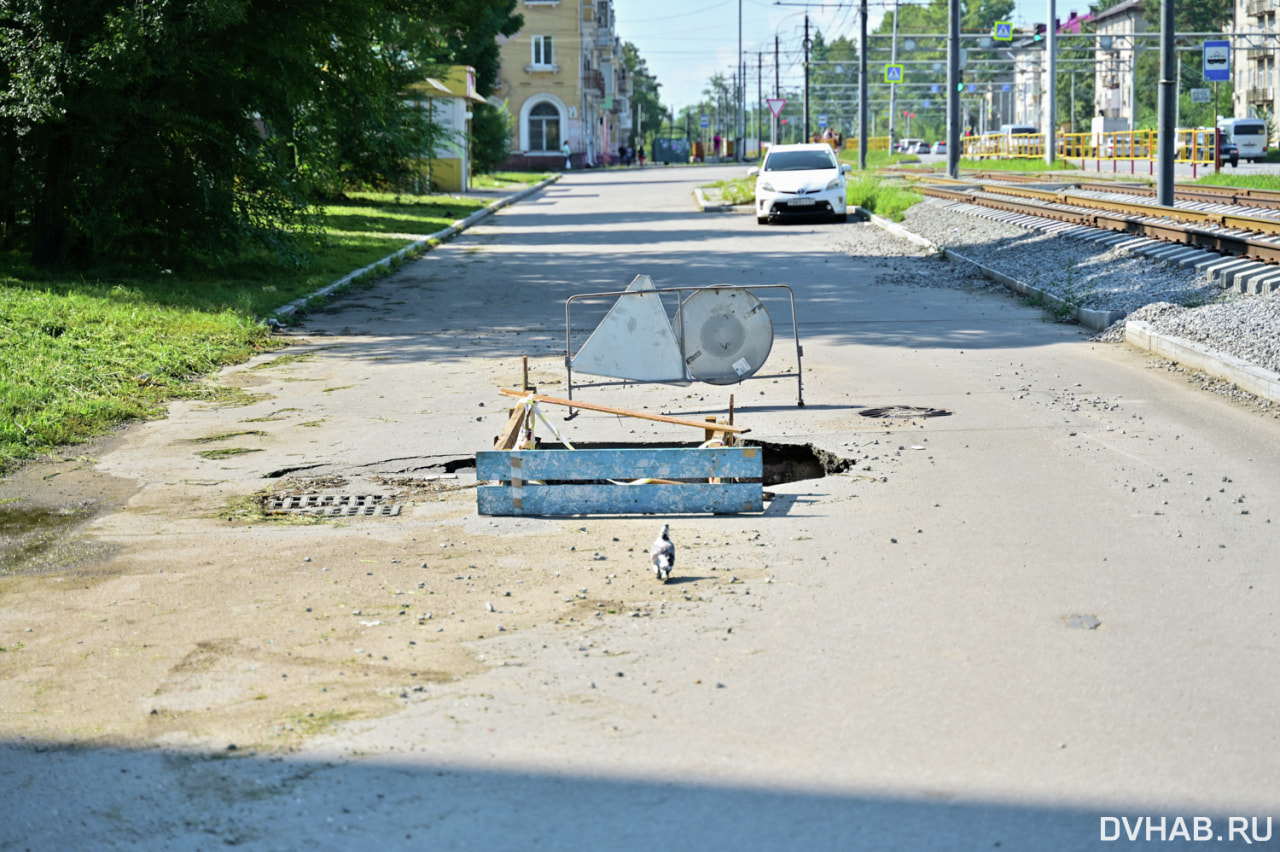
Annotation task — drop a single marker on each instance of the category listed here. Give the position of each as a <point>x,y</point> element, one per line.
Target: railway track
<point>1220,223</point>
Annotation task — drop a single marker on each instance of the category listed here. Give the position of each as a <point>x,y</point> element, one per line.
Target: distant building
<point>563,79</point>
<point>448,167</point>
<point>1253,61</point>
<point>1117,49</point>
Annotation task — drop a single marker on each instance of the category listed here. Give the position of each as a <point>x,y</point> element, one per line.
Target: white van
<point>1249,134</point>
<point>1021,140</point>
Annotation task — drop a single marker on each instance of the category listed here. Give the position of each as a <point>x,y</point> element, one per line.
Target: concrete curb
<point>415,247</point>
<point>1260,382</point>
<point>700,199</point>
<point>1087,317</point>
<point>1248,377</point>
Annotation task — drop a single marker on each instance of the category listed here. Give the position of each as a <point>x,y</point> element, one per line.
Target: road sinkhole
<point>782,462</point>
<point>903,412</point>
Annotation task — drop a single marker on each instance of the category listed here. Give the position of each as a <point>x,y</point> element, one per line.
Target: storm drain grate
<point>344,505</point>
<point>906,412</point>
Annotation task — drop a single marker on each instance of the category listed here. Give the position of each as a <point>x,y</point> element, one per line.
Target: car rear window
<point>797,161</point>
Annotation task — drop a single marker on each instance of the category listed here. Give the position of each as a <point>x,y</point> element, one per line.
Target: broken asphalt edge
<point>1250,378</point>
<point>414,248</point>
<point>701,199</point>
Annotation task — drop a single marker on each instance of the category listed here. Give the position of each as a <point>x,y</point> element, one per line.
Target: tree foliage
<point>160,129</point>
<point>645,99</point>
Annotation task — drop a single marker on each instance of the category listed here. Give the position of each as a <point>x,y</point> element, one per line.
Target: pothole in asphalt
<point>903,412</point>
<point>782,462</point>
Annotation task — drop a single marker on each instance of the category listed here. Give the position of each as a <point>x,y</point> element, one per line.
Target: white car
<point>800,180</point>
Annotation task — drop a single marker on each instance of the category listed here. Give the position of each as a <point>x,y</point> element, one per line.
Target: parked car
<point>800,180</point>
<point>1203,145</point>
<point>1228,150</point>
<point>939,147</point>
<point>922,147</point>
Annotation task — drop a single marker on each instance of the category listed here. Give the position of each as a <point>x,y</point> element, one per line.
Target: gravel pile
<point>1173,300</point>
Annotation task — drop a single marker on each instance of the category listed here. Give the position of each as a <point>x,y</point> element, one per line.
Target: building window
<point>544,128</point>
<point>542,50</point>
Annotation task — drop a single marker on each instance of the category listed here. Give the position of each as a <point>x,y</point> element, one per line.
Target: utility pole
<point>777,78</point>
<point>759,99</point>
<point>807,45</point>
<point>1051,125</point>
<point>862,86</point>
<point>1168,99</point>
<point>953,85</point>
<point>740,128</point>
<point>893,88</point>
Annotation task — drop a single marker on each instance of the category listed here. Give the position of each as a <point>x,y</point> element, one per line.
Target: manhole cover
<point>344,505</point>
<point>904,412</point>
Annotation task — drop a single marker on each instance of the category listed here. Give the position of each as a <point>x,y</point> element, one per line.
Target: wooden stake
<point>641,415</point>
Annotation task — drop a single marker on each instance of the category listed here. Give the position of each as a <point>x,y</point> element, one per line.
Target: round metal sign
<point>726,332</point>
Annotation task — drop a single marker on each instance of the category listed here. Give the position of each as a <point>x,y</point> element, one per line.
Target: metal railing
<point>1193,145</point>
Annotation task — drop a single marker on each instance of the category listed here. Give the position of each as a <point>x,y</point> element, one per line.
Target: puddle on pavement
<point>37,540</point>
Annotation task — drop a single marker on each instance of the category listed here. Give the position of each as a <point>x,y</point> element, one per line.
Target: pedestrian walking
<point>640,155</point>
<point>567,151</point>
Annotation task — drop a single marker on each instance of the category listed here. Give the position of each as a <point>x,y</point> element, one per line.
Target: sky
<point>685,42</point>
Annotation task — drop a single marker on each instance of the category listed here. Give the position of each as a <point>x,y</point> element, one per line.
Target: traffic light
<point>1039,34</point>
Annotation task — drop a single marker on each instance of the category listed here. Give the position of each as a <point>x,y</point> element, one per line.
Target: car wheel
<point>840,218</point>
<point>762,220</point>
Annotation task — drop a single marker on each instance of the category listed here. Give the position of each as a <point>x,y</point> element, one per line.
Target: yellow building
<point>563,79</point>
<point>448,168</point>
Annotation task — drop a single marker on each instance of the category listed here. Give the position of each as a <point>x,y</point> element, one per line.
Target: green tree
<point>159,129</point>
<point>645,100</point>
<point>490,137</point>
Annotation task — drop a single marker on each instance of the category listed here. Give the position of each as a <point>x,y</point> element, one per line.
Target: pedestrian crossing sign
<point>893,73</point>
<point>1003,31</point>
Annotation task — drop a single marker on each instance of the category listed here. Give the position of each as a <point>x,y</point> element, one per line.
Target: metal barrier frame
<point>568,330</point>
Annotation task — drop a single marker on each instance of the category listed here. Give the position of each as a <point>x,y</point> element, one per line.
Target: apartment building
<point>1253,61</point>
<point>1117,51</point>
<point>563,79</point>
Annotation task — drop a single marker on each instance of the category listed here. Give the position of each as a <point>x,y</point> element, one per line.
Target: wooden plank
<point>687,498</point>
<point>643,462</point>
<point>511,433</point>
<point>642,415</point>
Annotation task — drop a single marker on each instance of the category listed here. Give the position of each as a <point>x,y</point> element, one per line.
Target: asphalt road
<point>1028,624</point>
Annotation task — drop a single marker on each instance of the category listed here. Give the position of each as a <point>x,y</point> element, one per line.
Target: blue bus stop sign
<point>704,121</point>
<point>1217,61</point>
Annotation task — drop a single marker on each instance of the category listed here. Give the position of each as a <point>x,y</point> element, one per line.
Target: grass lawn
<point>81,353</point>
<point>1248,181</point>
<point>507,180</point>
<point>1020,165</point>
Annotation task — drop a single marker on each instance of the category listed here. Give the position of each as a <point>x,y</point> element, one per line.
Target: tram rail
<point>1223,232</point>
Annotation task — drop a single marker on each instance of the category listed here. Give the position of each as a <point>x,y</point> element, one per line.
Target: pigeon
<point>663,554</point>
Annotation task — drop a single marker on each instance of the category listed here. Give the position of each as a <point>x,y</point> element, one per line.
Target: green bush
<point>886,198</point>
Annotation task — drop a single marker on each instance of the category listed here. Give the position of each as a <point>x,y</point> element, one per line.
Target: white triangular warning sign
<point>634,341</point>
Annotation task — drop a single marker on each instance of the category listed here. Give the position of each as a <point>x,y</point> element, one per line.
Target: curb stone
<point>447,233</point>
<point>700,199</point>
<point>1258,381</point>
<point>1087,317</point>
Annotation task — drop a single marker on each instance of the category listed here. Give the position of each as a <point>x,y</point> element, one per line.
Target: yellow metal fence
<point>1193,145</point>
<point>874,143</point>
